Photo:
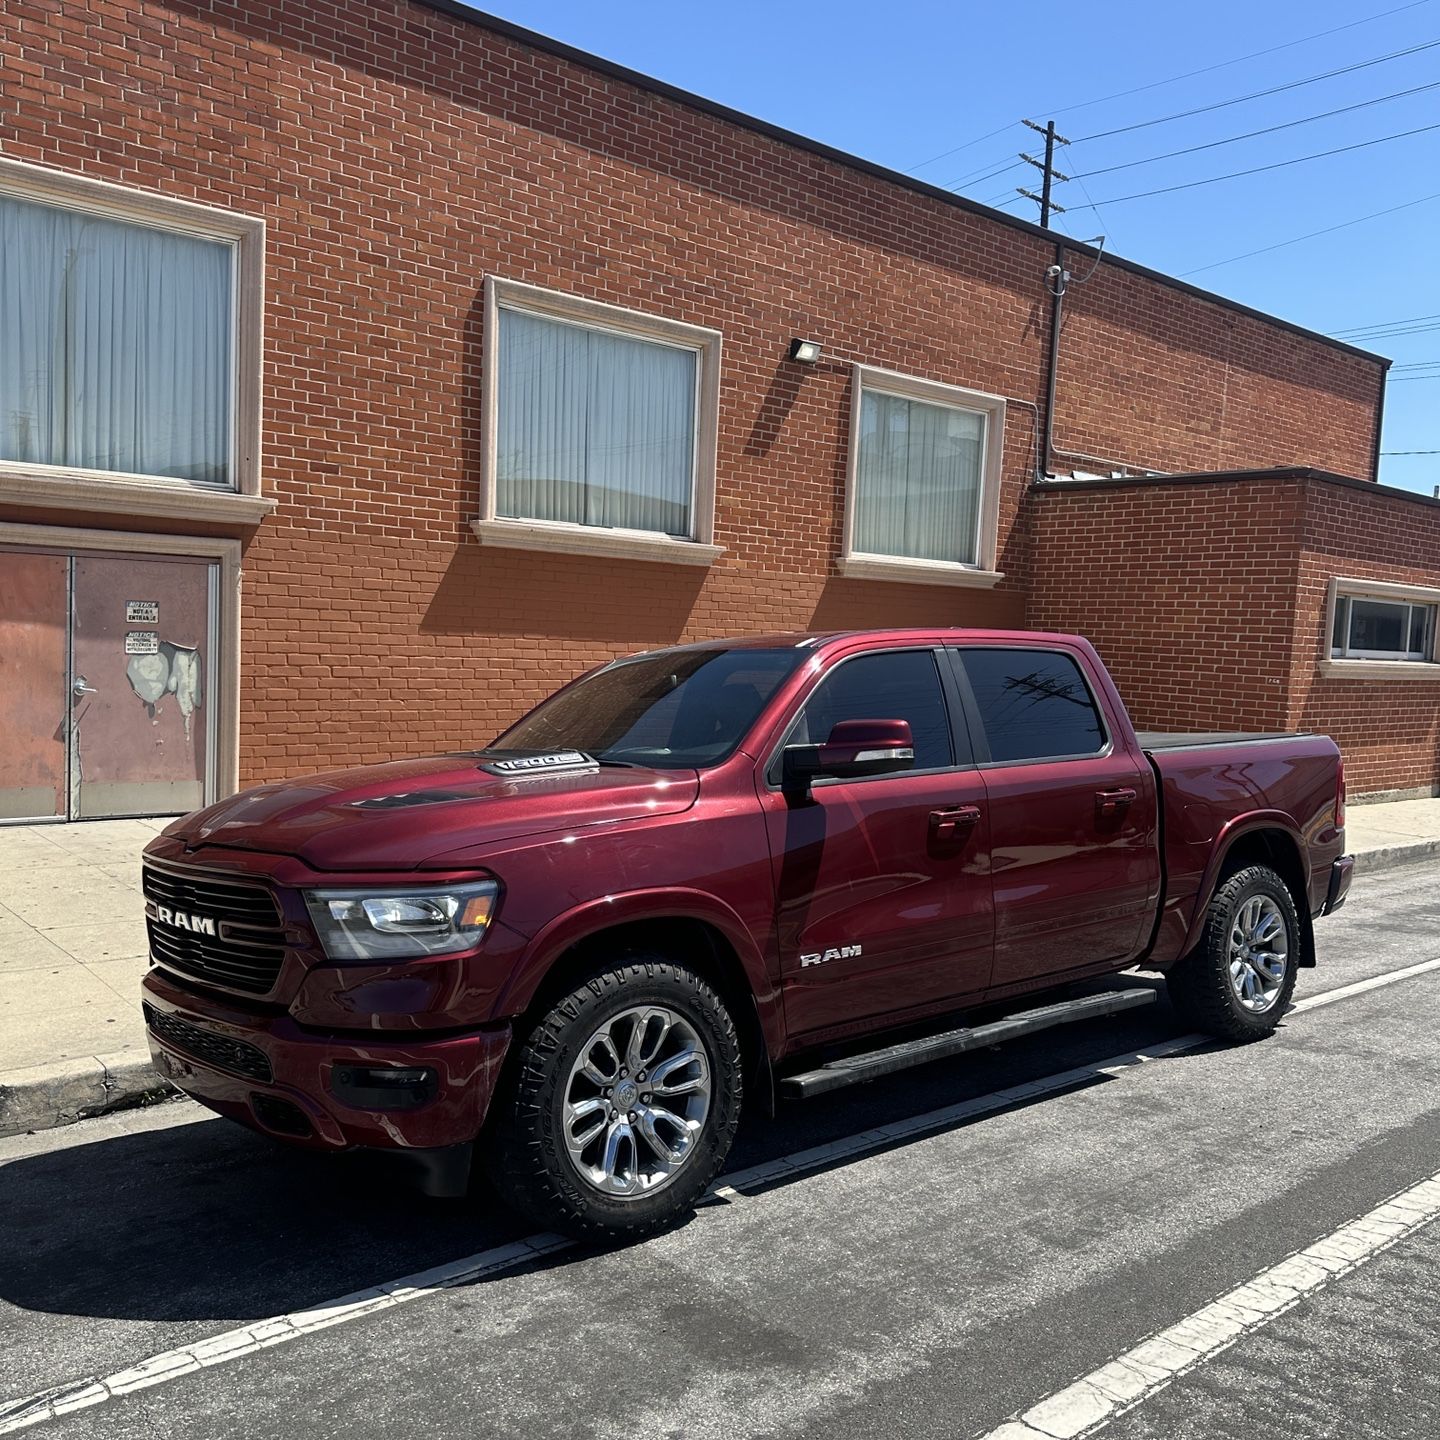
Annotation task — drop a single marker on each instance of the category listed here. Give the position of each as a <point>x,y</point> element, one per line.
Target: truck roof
<point>816,639</point>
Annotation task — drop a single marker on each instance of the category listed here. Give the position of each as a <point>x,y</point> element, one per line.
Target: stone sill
<point>585,540</point>
<point>1379,670</point>
<point>138,495</point>
<point>917,572</point>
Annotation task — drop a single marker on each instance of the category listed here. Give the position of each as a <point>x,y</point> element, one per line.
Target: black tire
<point>527,1159</point>
<point>1200,985</point>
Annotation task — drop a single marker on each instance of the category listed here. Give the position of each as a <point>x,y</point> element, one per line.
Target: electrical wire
<point>1171,80</point>
<point>1384,325</point>
<point>1410,452</point>
<point>1253,55</point>
<point>1311,235</point>
<point>1252,134</point>
<point>1261,169</point>
<point>1258,94</point>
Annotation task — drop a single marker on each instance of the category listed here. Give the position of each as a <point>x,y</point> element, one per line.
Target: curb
<point>1389,857</point>
<point>40,1097</point>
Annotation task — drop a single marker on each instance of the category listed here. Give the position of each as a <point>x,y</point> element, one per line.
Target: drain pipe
<point>1056,279</point>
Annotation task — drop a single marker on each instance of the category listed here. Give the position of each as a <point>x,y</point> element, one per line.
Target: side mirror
<point>855,748</point>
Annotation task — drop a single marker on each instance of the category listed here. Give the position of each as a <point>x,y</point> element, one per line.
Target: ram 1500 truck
<point>712,875</point>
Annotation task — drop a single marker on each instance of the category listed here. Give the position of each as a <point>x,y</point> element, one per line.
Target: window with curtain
<point>918,474</point>
<point>116,345</point>
<point>595,427</point>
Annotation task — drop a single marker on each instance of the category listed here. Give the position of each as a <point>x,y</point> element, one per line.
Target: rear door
<point>1074,857</point>
<point>883,903</point>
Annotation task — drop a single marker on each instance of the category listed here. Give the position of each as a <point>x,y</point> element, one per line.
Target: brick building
<point>473,354</point>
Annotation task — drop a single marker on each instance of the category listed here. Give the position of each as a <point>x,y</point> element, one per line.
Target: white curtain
<point>917,485</point>
<point>594,428</point>
<point>115,345</point>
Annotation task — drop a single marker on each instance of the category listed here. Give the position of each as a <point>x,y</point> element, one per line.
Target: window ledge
<point>103,493</point>
<point>917,572</point>
<point>587,540</point>
<point>1380,670</point>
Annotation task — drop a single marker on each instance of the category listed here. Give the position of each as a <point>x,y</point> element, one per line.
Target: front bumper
<point>263,1069</point>
<point>1341,873</point>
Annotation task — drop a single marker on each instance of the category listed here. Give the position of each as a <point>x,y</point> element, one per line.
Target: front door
<point>106,685</point>
<point>883,900</point>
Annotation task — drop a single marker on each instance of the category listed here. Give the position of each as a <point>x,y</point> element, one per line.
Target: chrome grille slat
<point>247,957</point>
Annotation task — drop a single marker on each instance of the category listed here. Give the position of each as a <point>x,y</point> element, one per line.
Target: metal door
<point>108,668</point>
<point>34,644</point>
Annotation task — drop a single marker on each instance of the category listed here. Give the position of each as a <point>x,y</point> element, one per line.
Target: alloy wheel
<point>636,1101</point>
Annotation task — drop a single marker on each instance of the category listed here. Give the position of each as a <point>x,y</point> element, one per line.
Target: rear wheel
<point>623,1102</point>
<point>1237,982</point>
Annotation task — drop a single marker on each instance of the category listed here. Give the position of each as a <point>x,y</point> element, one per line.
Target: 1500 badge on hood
<point>541,764</point>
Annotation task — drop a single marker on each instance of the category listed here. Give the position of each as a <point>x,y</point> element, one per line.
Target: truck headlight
<point>417,920</point>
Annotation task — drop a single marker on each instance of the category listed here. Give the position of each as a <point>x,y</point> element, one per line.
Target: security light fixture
<point>807,352</point>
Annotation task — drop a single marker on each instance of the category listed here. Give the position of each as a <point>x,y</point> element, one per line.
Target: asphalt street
<point>932,1286</point>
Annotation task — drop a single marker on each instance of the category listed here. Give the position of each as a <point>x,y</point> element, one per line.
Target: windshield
<point>678,709</point>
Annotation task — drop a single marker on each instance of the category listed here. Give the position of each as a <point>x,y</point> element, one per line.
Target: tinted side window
<point>1034,704</point>
<point>888,685</point>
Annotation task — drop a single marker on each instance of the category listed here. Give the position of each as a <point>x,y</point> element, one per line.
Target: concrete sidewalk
<point>72,951</point>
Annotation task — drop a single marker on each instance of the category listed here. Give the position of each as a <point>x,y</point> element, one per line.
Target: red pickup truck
<point>714,875</point>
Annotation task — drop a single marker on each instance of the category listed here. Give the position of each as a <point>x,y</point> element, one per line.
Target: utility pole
<point>1048,172</point>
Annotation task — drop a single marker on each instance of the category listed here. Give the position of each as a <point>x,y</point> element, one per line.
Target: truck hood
<point>406,814</point>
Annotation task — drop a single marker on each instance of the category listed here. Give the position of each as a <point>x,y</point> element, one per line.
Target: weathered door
<point>34,604</point>
<point>140,657</point>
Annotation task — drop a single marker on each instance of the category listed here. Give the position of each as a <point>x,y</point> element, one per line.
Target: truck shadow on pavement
<point>205,1221</point>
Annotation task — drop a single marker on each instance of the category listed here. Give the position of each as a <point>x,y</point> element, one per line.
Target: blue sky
<point>903,83</point>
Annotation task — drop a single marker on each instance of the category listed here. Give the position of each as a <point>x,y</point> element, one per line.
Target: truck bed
<point>1179,740</point>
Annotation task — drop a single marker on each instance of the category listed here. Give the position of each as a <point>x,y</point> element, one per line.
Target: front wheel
<point>622,1105</point>
<point>1237,981</point>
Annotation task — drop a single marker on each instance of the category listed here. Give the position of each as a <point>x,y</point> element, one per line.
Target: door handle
<point>1112,802</point>
<point>83,687</point>
<point>951,824</point>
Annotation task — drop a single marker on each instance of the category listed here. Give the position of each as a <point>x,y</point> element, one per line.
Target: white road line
<point>263,1334</point>
<point>1090,1403</point>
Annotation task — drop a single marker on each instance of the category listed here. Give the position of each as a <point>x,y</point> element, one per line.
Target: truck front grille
<point>233,1056</point>
<point>232,934</point>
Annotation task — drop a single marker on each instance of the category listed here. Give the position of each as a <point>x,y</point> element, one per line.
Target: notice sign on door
<point>142,642</point>
<point>142,612</point>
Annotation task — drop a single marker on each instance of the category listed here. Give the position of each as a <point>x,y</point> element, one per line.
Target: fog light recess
<point>383,1087</point>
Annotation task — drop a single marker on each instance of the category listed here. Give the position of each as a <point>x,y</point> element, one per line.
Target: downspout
<point>1055,281</point>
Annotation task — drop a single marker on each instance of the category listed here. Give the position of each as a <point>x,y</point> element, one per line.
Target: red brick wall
<point>1209,604</point>
<point>1186,591</point>
<point>1389,730</point>
<point>399,155</point>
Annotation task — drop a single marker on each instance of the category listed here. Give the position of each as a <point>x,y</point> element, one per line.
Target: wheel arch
<point>696,930</point>
<point>1265,839</point>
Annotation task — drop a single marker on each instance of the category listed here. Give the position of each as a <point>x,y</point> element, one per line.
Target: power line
<point>1392,334</point>
<point>1252,134</point>
<point>1311,235</point>
<point>1410,452</point>
<point>1277,165</point>
<point>1254,55</point>
<point>1385,324</point>
<point>1259,94</point>
<point>1173,79</point>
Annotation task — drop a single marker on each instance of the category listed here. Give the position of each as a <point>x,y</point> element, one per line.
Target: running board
<point>855,1069</point>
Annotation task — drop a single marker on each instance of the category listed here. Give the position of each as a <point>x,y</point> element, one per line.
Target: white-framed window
<point>600,428</point>
<point>1376,629</point>
<point>923,487</point>
<point>130,331</point>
